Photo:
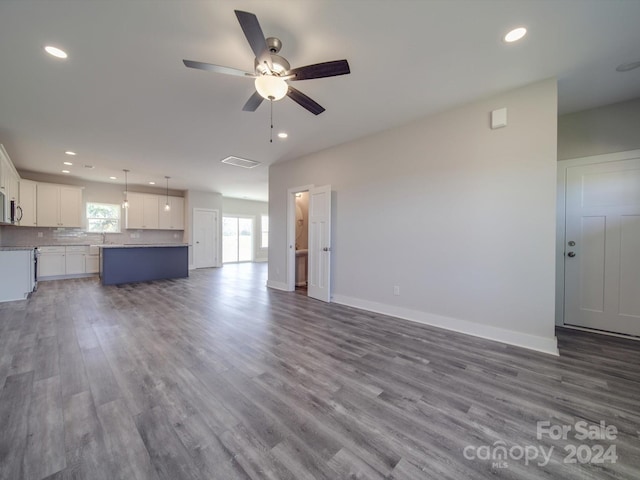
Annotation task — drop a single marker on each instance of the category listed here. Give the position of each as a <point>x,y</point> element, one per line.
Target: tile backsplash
<point>12,236</point>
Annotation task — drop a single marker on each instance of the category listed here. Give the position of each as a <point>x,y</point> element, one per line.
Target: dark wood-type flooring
<point>218,377</point>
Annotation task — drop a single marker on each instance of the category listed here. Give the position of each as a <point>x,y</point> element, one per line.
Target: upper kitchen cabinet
<point>28,203</point>
<point>174,218</point>
<point>9,178</point>
<point>58,205</point>
<point>143,211</point>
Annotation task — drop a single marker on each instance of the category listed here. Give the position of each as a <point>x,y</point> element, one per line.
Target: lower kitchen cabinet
<point>72,260</point>
<point>51,262</point>
<point>92,262</point>
<point>75,259</point>
<point>16,274</point>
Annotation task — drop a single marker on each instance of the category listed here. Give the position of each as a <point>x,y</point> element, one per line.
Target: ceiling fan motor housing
<point>273,44</point>
<point>280,65</point>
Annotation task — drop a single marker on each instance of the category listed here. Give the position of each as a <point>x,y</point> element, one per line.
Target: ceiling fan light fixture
<point>271,87</point>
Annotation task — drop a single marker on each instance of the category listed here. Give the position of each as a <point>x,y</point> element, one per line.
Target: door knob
<point>571,254</point>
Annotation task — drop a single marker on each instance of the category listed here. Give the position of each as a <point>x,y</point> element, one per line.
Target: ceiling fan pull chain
<point>271,132</point>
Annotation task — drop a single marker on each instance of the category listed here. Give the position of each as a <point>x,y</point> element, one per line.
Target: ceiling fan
<point>271,71</point>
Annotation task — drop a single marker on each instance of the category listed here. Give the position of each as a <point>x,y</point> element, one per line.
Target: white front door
<point>205,238</point>
<point>319,269</point>
<point>602,246</point>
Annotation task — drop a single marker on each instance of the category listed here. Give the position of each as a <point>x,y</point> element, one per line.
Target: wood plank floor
<point>217,377</point>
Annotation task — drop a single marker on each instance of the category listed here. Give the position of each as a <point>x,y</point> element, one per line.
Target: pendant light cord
<point>271,131</point>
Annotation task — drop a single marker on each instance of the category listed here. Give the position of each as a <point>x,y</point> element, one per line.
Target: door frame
<point>561,215</point>
<point>291,234</point>
<point>218,263</point>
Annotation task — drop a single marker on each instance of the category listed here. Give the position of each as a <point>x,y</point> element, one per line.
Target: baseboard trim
<point>600,332</point>
<point>277,285</point>
<point>531,342</point>
<point>67,277</point>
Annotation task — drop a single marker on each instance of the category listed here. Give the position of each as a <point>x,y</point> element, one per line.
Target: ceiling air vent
<point>240,162</point>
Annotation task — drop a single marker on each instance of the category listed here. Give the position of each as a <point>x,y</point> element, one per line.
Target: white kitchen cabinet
<point>71,260</point>
<point>28,203</point>
<point>4,169</point>
<point>92,264</point>
<point>9,179</point>
<point>51,262</point>
<point>143,211</point>
<point>174,218</point>
<point>75,260</point>
<point>58,205</point>
<point>16,274</point>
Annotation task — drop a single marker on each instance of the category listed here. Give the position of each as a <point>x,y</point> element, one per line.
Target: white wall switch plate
<point>499,118</point>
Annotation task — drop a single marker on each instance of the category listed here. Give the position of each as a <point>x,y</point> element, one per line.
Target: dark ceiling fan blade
<point>210,67</point>
<point>304,101</point>
<point>320,70</point>
<point>253,103</point>
<point>255,37</point>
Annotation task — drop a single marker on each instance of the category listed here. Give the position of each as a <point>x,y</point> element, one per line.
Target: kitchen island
<point>141,263</point>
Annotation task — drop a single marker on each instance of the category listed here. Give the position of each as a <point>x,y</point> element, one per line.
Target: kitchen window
<point>103,217</point>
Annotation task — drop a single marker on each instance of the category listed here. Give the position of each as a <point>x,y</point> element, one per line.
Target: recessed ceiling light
<point>283,135</point>
<point>515,34</point>
<point>66,171</point>
<point>55,51</point>
<point>113,178</point>
<point>69,152</point>
<point>625,67</point>
<point>152,183</point>
<point>67,163</point>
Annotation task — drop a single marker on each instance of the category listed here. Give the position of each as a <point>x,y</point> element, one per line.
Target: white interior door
<point>602,246</point>
<point>319,273</point>
<point>205,239</point>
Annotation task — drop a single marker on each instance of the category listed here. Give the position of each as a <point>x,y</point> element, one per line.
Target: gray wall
<point>460,216</point>
<point>249,208</point>
<point>608,129</point>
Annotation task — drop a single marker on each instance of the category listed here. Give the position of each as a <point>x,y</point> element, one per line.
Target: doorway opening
<point>310,265</point>
<point>302,241</point>
<point>598,244</point>
<point>237,239</point>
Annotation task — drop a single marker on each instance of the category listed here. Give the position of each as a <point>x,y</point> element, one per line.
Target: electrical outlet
<point>396,290</point>
<point>40,234</point>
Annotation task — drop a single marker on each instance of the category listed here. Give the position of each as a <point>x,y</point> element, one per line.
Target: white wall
<point>460,216</point>
<point>208,200</point>
<point>608,129</point>
<point>254,209</point>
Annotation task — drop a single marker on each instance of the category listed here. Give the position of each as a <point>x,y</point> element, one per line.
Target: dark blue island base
<point>128,263</point>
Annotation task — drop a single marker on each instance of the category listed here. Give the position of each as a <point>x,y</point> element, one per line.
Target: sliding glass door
<point>237,241</point>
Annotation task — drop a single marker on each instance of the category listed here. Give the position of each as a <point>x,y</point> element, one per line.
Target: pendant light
<point>167,207</point>
<point>125,204</point>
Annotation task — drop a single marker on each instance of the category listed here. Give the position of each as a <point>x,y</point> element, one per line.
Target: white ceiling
<point>123,98</point>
